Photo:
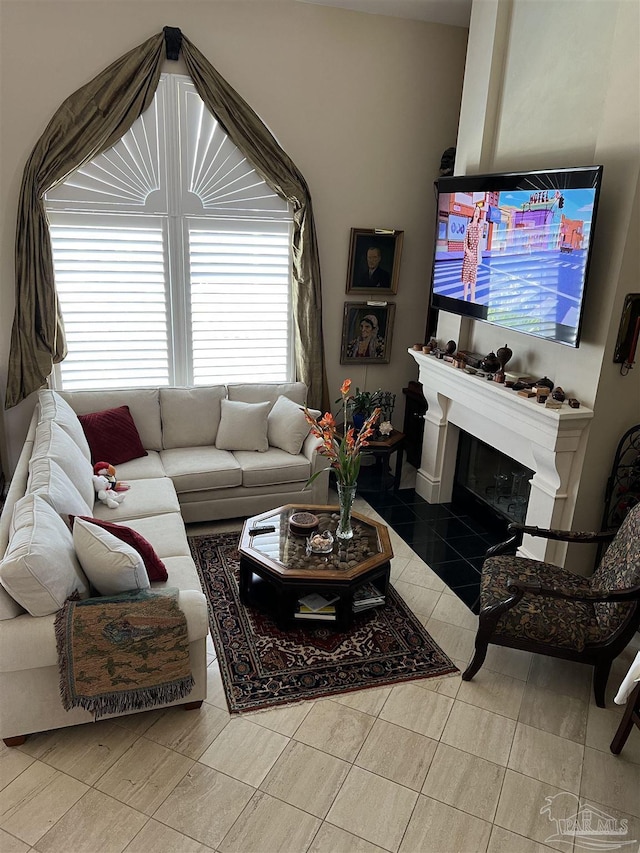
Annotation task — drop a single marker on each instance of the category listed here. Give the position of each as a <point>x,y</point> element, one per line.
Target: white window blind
<point>172,258</point>
<point>111,286</point>
<point>239,302</point>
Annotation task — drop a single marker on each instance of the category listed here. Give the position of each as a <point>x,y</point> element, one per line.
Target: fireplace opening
<point>493,486</point>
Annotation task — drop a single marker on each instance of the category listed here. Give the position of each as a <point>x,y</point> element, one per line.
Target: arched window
<point>172,257</point>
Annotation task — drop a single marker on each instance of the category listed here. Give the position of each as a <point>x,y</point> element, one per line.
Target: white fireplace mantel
<point>551,442</point>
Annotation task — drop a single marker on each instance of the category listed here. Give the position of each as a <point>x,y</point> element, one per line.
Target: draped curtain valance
<point>91,121</point>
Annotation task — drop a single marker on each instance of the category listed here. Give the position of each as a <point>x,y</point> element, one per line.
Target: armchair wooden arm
<point>562,535</point>
<point>518,588</point>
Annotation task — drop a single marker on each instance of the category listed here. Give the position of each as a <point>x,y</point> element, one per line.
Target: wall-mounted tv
<point>513,249</point>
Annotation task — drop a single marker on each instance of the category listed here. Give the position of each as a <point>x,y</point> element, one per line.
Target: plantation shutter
<point>172,257</point>
<point>111,285</point>
<point>239,302</point>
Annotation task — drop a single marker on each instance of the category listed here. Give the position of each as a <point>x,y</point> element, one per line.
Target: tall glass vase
<point>346,497</point>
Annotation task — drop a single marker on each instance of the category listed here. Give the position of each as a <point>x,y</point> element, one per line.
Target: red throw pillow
<point>112,435</point>
<point>156,569</point>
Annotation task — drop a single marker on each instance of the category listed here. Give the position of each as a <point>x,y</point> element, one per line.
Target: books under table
<point>367,596</point>
<point>316,606</point>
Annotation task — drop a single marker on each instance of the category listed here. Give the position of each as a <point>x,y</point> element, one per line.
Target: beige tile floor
<point>428,766</point>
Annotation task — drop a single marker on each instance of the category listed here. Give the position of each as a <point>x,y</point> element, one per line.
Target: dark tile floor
<point>452,538</point>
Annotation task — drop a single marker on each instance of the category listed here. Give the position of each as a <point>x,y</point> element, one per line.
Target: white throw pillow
<point>111,565</point>
<point>287,426</point>
<point>48,480</point>
<point>54,408</point>
<point>243,426</point>
<point>52,442</point>
<point>40,569</point>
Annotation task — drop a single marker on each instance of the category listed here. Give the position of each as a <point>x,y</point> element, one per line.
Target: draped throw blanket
<point>123,653</point>
<point>91,121</point>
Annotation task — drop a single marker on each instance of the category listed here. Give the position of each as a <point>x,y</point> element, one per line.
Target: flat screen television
<point>513,249</point>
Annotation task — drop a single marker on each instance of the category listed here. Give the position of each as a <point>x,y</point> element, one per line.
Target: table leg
<point>399,458</point>
<point>245,582</point>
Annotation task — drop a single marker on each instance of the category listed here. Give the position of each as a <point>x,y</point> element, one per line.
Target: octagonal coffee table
<point>277,570</point>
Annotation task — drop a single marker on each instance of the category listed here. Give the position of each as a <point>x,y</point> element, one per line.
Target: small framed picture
<point>366,333</point>
<point>374,261</point>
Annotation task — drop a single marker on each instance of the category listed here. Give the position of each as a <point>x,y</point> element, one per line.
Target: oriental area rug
<point>263,666</point>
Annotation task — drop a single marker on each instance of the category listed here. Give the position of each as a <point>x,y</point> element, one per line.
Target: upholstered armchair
<point>539,607</point>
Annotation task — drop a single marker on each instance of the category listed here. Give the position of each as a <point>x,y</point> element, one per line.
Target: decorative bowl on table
<point>320,543</point>
<point>303,523</point>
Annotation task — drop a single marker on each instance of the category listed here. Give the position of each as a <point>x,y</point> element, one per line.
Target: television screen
<point>513,249</point>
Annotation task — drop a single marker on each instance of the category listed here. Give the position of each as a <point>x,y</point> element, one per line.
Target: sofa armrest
<point>310,450</point>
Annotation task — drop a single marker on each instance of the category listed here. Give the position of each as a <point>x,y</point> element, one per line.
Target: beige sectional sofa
<point>188,475</point>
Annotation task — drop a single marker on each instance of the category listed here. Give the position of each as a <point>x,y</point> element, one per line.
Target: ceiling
<point>453,12</point>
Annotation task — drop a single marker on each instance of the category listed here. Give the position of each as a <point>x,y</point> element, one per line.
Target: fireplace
<point>490,481</point>
<point>550,443</point>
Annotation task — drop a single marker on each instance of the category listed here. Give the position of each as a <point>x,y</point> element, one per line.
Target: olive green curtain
<point>91,121</point>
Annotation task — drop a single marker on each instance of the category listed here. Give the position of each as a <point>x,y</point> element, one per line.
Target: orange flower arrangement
<point>343,454</point>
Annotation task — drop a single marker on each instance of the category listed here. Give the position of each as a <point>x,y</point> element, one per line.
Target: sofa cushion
<point>144,468</point>
<point>112,435</point>
<point>40,569</point>
<point>144,498</point>
<point>49,481</point>
<point>154,566</point>
<point>52,407</point>
<point>111,565</point>
<point>287,426</point>
<point>197,468</point>
<point>243,426</point>
<point>144,405</point>
<point>182,573</point>
<point>190,416</point>
<point>258,392</point>
<point>166,533</point>
<point>273,467</point>
<point>52,442</point>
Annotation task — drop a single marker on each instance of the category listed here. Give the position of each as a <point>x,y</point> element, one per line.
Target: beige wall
<point>561,81</point>
<point>363,104</point>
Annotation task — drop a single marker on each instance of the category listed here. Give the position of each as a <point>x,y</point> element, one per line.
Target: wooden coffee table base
<point>277,569</point>
<point>279,596</point>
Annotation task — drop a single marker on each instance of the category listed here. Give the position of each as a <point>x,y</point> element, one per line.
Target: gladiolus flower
<point>345,388</point>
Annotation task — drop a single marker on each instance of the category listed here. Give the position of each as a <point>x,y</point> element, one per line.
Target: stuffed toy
<point>104,469</point>
<point>106,494</point>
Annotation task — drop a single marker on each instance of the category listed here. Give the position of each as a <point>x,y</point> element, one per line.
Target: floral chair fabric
<point>543,620</point>
<point>619,569</point>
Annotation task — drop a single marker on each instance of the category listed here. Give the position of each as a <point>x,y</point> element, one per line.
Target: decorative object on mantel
<point>575,404</point>
<point>344,456</point>
<point>490,363</point>
<point>504,356</point>
<point>558,394</point>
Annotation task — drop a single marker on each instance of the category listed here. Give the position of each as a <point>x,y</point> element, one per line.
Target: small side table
<point>382,449</point>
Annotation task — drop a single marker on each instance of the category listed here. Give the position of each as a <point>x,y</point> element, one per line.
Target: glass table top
<point>289,550</point>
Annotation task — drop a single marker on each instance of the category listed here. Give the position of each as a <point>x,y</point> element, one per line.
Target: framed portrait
<point>374,261</point>
<point>366,333</point>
